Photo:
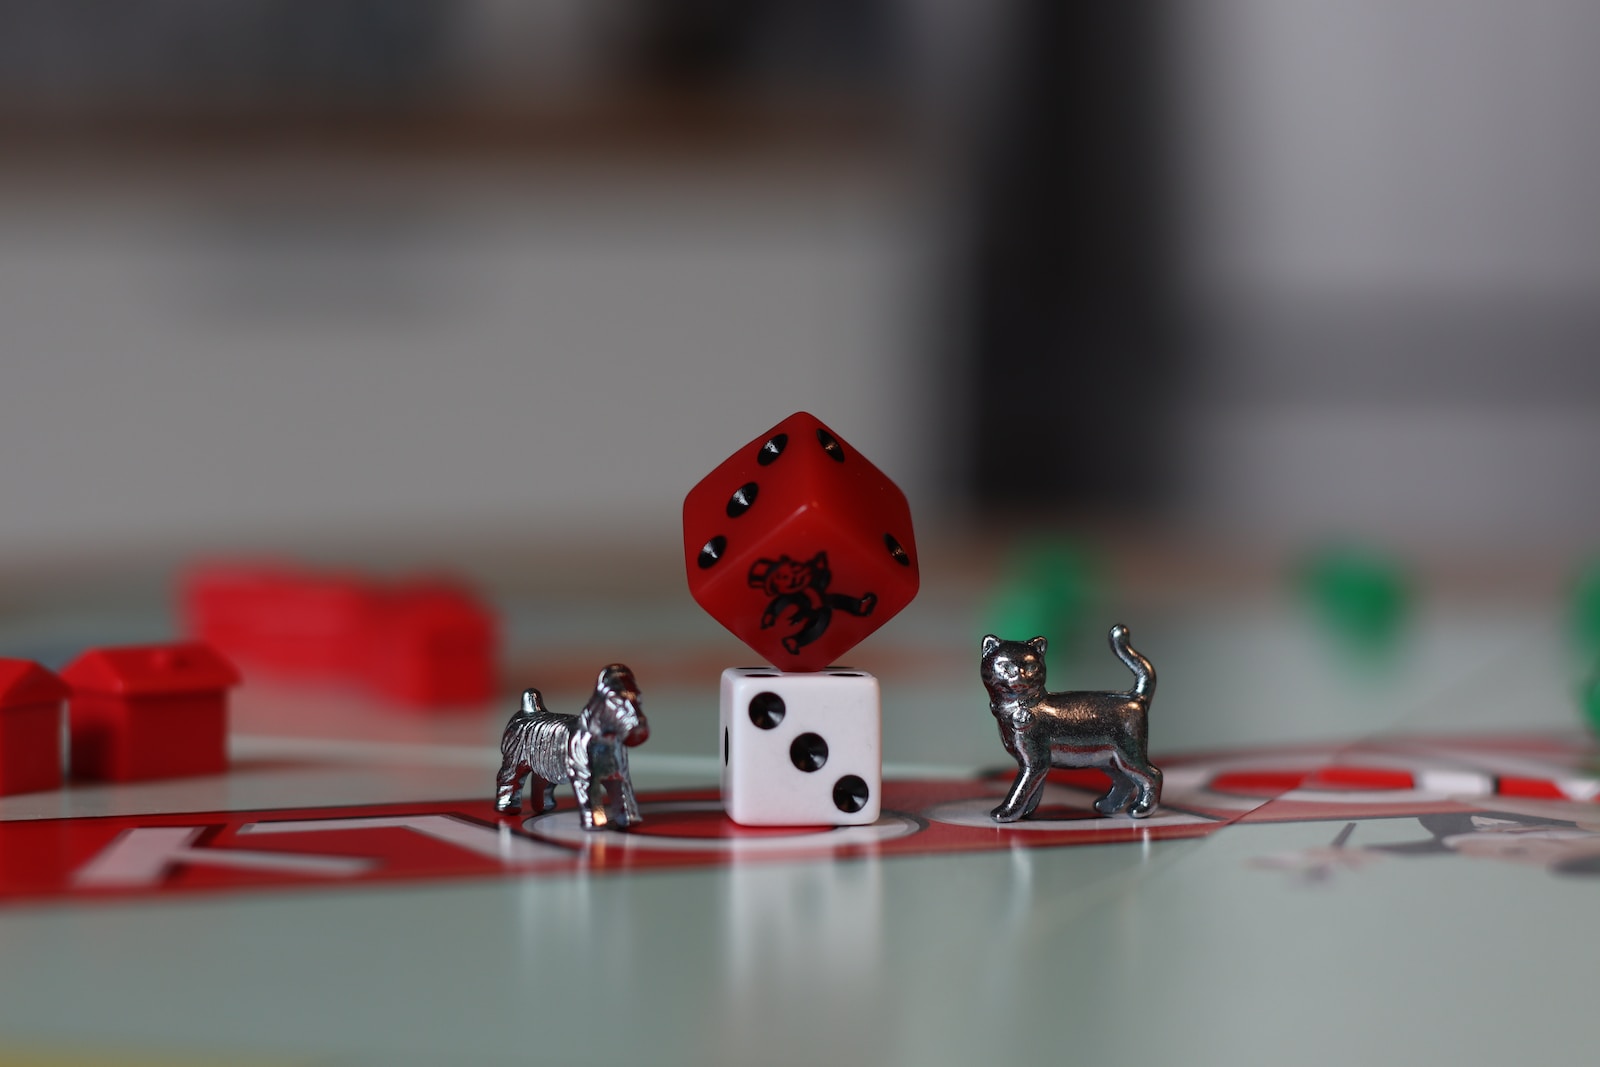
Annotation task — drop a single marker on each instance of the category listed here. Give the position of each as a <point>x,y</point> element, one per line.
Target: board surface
<point>1348,860</point>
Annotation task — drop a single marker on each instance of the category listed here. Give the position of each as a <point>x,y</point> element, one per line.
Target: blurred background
<point>451,278</point>
<point>1140,303</point>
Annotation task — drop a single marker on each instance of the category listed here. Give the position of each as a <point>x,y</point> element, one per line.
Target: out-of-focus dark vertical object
<point>814,44</point>
<point>1073,360</point>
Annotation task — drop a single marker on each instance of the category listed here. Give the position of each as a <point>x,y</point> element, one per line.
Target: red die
<point>799,546</point>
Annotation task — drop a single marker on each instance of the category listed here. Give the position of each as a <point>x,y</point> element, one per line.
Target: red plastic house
<point>433,644</point>
<point>279,619</point>
<point>149,711</point>
<point>30,727</point>
<point>423,642</point>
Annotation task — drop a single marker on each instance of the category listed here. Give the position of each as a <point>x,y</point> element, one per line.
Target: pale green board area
<point>1163,953</point>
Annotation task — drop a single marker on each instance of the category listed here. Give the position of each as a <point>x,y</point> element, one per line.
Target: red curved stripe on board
<point>1362,778</point>
<point>1079,778</point>
<point>1257,783</point>
<point>1529,787</point>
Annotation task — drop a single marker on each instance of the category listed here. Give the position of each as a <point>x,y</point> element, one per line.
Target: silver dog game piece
<point>1076,729</point>
<point>589,749</point>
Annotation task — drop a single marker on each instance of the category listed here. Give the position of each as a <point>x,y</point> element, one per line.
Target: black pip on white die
<point>800,748</point>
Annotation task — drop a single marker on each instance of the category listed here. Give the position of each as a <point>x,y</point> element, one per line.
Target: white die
<point>800,748</point>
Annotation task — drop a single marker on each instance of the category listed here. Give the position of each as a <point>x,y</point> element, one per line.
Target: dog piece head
<point>1012,669</point>
<point>618,693</point>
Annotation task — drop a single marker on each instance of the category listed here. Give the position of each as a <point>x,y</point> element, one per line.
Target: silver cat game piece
<point>1079,729</point>
<point>589,749</point>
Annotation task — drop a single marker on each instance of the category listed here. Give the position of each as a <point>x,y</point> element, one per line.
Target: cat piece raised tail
<point>1144,675</point>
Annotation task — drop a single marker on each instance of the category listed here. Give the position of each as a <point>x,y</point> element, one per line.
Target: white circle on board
<point>974,812</point>
<point>564,827</point>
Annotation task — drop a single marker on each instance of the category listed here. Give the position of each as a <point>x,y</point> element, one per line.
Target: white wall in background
<point>261,356</point>
<point>1394,253</point>
<point>1364,146</point>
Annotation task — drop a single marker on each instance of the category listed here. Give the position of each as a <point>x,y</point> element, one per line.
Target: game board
<point>1411,885</point>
